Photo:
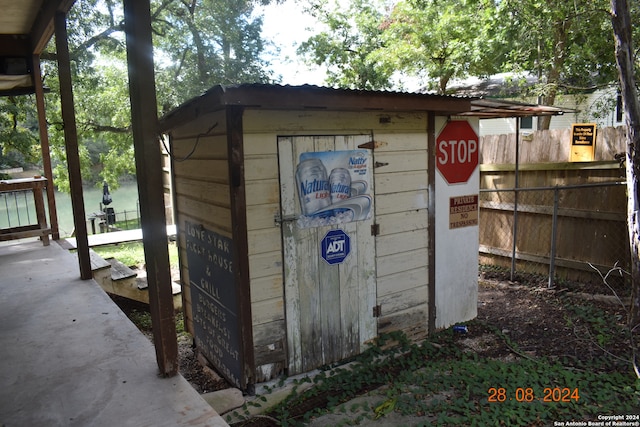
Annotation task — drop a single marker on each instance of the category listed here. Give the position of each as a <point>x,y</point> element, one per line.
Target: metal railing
<point>110,220</point>
<point>561,232</point>
<point>17,209</point>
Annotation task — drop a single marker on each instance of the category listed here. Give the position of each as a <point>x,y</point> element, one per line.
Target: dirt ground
<point>535,319</point>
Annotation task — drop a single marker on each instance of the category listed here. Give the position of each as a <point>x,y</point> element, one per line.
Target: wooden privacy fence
<point>563,218</point>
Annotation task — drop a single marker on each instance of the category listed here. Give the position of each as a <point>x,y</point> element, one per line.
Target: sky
<point>286,25</point>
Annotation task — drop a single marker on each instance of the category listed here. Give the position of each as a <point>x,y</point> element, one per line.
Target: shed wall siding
<point>401,210</point>
<point>201,177</point>
<point>262,187</point>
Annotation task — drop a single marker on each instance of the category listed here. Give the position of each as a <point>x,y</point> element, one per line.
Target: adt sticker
<point>335,246</point>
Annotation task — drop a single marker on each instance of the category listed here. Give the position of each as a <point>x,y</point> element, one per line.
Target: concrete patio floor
<point>70,357</point>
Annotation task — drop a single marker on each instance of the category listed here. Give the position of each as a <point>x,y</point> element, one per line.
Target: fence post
<point>554,233</point>
<point>515,202</point>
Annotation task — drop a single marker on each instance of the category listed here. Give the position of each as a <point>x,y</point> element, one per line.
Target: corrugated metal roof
<point>500,108</point>
<point>309,97</point>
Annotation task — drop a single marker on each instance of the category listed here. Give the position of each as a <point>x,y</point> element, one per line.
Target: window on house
<point>526,123</point>
<point>619,108</point>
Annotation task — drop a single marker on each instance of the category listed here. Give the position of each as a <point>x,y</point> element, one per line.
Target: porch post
<point>71,144</point>
<point>44,146</point>
<point>144,122</point>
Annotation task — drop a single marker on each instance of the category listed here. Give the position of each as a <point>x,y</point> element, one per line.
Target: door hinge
<point>377,311</point>
<point>380,164</point>
<point>375,229</point>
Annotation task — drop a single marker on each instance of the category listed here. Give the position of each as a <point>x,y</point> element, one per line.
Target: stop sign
<point>457,151</point>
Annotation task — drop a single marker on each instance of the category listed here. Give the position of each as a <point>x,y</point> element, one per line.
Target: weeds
<point>438,384</point>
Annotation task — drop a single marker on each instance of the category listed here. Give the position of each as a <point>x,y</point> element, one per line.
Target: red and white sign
<point>457,151</point>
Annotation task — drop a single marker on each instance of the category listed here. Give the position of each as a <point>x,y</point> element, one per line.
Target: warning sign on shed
<point>463,211</point>
<point>583,142</point>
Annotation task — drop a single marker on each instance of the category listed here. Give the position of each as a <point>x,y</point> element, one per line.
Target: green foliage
<point>350,45</point>
<point>567,44</point>
<point>196,46</point>
<point>132,254</point>
<point>18,132</point>
<point>443,40</point>
<point>438,381</point>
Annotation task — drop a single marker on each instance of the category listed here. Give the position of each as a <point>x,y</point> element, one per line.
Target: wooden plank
<point>261,167</point>
<point>267,311</point>
<point>402,281</point>
<point>402,222</point>
<point>265,264</point>
<point>260,144</point>
<point>219,215</point>
<point>204,170</point>
<point>402,161</point>
<point>265,288</point>
<point>119,271</point>
<point>204,191</point>
<point>144,124</point>
<point>548,210</point>
<point>399,301</point>
<point>400,181</point>
<point>291,290</point>
<point>405,141</point>
<point>396,263</point>
<point>562,166</point>
<point>114,237</point>
<point>44,147</point>
<point>401,242</point>
<point>262,216</point>
<point>263,192</point>
<point>331,122</point>
<point>264,240</point>
<point>202,123</point>
<point>71,143</point>
<point>412,321</point>
<point>207,147</point>
<point>401,202</point>
<point>97,262</point>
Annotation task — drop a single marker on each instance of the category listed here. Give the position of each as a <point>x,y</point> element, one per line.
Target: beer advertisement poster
<point>333,187</point>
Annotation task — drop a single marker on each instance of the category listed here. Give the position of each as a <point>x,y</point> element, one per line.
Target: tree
<point>17,132</point>
<point>441,40</point>
<point>350,46</point>
<point>627,63</point>
<point>566,44</point>
<point>198,44</point>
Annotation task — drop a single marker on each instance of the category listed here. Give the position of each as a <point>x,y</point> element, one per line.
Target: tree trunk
<point>621,20</point>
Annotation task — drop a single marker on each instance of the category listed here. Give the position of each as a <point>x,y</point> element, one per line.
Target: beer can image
<point>340,184</point>
<point>313,186</point>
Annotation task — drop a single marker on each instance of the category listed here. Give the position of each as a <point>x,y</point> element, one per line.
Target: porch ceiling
<point>26,26</point>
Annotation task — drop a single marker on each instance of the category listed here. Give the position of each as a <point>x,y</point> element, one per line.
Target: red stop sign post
<point>457,151</point>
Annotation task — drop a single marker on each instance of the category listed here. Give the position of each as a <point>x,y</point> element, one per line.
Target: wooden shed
<point>307,224</point>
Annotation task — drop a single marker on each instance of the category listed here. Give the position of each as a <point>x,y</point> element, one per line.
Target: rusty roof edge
<point>492,108</point>
<point>311,97</point>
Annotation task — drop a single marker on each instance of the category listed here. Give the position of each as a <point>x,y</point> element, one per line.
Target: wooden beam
<point>144,121</point>
<point>44,148</point>
<point>15,45</point>
<point>43,26</point>
<point>235,152</point>
<point>431,227</point>
<point>71,144</point>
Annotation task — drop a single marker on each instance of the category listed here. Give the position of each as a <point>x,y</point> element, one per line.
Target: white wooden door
<point>329,308</point>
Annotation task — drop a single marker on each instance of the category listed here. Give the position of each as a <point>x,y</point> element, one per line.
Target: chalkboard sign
<point>214,301</point>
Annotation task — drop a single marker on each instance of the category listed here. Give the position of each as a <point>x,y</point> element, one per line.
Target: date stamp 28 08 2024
<point>561,394</point>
